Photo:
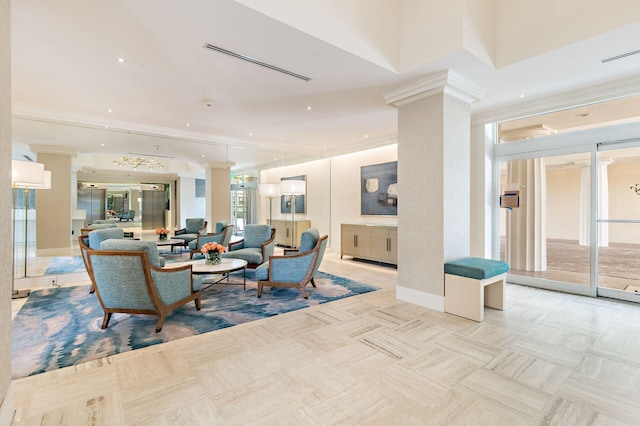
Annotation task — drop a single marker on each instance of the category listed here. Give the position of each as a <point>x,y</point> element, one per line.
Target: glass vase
<point>213,258</point>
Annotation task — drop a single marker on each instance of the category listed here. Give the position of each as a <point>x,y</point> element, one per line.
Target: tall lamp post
<point>269,190</point>
<point>26,175</point>
<point>293,188</point>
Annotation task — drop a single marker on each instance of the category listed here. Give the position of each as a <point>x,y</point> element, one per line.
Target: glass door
<point>618,220</point>
<point>242,206</point>
<point>545,224</point>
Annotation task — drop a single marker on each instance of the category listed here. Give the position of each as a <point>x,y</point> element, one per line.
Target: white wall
<point>333,191</point>
<point>318,196</point>
<point>563,203</point>
<point>345,188</point>
<point>187,199</point>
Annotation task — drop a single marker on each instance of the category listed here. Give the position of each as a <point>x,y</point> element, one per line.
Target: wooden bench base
<point>467,297</point>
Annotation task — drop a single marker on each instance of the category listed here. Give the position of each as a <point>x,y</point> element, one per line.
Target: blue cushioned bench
<point>471,283</point>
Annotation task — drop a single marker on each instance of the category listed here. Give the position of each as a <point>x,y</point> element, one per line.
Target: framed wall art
<point>379,189</point>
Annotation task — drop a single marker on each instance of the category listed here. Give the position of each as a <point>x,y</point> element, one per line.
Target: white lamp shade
<point>293,187</point>
<point>26,174</point>
<point>47,181</point>
<point>268,189</point>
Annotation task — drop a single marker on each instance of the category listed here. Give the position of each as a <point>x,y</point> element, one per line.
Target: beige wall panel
<point>6,244</point>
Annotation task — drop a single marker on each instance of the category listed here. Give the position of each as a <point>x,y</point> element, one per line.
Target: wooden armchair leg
<point>160,323</point>
<point>259,289</point>
<point>313,282</point>
<point>105,320</point>
<point>93,289</point>
<point>198,301</point>
<point>304,293</point>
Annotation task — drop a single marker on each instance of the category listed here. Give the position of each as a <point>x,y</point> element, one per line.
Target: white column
<point>526,233</point>
<point>585,205</point>
<point>433,182</point>
<point>603,204</point>
<point>218,192</point>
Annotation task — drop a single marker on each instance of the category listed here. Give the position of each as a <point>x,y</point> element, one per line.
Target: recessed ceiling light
<point>188,124</point>
<point>102,144</point>
<point>366,136</point>
<point>109,110</point>
<point>202,155</point>
<point>308,108</point>
<point>521,96</point>
<point>250,134</point>
<point>121,60</point>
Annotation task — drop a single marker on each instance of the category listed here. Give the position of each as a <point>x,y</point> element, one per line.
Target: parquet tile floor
<point>548,359</point>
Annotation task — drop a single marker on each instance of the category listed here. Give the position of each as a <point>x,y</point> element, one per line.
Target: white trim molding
<point>445,81</point>
<point>420,298</point>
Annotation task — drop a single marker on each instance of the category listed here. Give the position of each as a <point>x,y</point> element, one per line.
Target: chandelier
<point>135,162</point>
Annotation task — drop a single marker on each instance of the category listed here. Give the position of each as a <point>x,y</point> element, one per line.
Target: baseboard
<point>40,282</point>
<point>420,298</point>
<point>7,408</point>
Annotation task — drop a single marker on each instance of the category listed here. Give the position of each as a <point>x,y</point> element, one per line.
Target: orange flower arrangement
<point>162,231</point>
<point>212,247</point>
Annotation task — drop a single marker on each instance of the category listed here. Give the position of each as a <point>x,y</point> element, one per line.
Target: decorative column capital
<point>445,81</point>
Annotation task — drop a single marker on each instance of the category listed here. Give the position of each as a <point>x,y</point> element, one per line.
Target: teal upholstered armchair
<point>296,269</point>
<point>193,227</point>
<point>149,247</point>
<point>256,246</point>
<point>128,216</point>
<point>127,282</point>
<point>222,235</point>
<point>92,240</point>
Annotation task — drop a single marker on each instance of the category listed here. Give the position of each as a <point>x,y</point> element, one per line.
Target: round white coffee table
<point>224,268</point>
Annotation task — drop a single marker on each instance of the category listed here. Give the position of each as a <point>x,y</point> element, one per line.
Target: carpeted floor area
<point>59,327</point>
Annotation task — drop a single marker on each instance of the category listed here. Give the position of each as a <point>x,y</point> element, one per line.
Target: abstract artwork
<point>379,189</point>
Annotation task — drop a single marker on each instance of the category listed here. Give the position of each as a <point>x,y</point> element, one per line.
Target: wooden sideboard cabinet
<point>284,231</point>
<point>370,242</point>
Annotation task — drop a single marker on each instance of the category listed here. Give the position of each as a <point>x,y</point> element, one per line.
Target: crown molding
<point>54,149</point>
<point>445,81</point>
<point>569,99</point>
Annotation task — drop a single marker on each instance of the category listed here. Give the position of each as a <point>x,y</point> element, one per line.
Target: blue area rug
<point>59,327</point>
<point>65,265</point>
<point>74,264</point>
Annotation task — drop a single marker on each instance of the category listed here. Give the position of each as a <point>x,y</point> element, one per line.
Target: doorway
<point>243,197</point>
<point>576,224</point>
<point>545,228</point>
<point>618,220</point>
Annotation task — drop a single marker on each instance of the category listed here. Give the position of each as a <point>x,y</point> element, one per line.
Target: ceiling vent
<point>624,55</point>
<point>255,61</point>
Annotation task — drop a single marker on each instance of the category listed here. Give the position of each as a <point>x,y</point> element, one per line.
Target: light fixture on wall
<point>135,162</point>
<point>269,190</point>
<point>292,188</point>
<point>26,175</point>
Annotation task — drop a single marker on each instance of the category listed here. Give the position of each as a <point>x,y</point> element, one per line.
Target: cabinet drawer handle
<point>287,232</point>
<point>355,241</point>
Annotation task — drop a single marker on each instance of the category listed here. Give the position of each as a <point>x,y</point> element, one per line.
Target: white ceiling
<point>66,76</point>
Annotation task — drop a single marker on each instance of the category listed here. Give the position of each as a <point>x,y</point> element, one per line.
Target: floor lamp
<point>293,188</point>
<point>269,190</point>
<point>26,175</point>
